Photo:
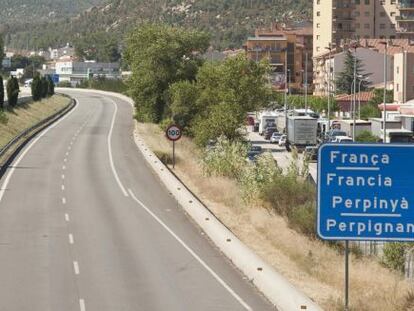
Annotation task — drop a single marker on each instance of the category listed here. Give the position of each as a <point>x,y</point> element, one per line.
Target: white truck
<point>267,118</point>
<point>301,132</point>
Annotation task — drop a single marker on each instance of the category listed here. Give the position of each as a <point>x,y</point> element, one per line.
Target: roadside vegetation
<point>270,209</point>
<point>18,118</point>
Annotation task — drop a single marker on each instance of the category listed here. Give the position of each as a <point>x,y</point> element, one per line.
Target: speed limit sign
<point>174,132</point>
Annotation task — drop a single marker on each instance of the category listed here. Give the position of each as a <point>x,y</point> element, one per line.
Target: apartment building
<point>403,77</point>
<point>338,20</point>
<point>278,44</point>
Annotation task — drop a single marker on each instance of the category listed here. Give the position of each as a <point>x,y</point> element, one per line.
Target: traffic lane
<point>34,263</point>
<point>138,176</point>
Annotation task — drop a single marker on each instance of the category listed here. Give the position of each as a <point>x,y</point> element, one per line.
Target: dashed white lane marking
<point>65,160</point>
<point>192,253</point>
<point>20,158</point>
<point>71,240</point>
<point>63,176</point>
<point>63,187</point>
<point>67,217</point>
<point>76,267</point>
<point>67,153</point>
<point>63,167</point>
<point>63,200</point>
<point>111,160</point>
<point>82,305</point>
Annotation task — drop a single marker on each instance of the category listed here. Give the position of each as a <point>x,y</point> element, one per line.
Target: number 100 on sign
<point>174,133</point>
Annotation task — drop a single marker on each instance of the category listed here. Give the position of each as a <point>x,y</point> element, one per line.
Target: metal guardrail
<point>35,127</point>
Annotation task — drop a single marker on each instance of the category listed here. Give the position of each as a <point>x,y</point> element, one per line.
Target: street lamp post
<point>354,94</point>
<point>384,125</point>
<point>306,83</point>
<point>286,90</point>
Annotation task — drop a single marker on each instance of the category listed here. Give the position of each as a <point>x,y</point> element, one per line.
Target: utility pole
<point>330,47</point>
<point>384,126</point>
<point>286,90</point>
<point>354,94</point>
<point>306,83</point>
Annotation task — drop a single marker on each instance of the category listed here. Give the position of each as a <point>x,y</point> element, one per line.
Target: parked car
<point>311,153</point>
<point>275,138</point>
<point>282,140</point>
<point>269,132</point>
<point>342,139</point>
<point>330,136</point>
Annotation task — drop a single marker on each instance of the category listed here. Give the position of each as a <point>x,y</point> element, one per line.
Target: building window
<point>357,1</point>
<point>318,13</point>
<point>357,25</point>
<point>366,26</point>
<point>318,2</point>
<point>392,14</point>
<point>382,14</point>
<point>318,49</point>
<point>366,13</point>
<point>357,13</point>
<point>382,2</point>
<point>398,87</point>
<point>392,26</point>
<point>318,37</point>
<point>366,2</point>
<point>398,70</point>
<point>318,25</point>
<point>392,1</point>
<point>382,26</point>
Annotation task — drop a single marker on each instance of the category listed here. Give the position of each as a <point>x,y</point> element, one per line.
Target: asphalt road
<point>85,225</point>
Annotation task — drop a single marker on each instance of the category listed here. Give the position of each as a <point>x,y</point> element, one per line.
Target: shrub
<point>165,157</point>
<point>303,218</point>
<point>64,84</point>
<point>36,88</point>
<point>50,86</point>
<point>256,176</point>
<point>12,91</point>
<point>287,192</point>
<point>227,158</point>
<point>366,137</point>
<point>1,93</point>
<point>394,256</point>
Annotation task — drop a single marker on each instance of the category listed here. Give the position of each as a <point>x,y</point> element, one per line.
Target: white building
<point>75,72</point>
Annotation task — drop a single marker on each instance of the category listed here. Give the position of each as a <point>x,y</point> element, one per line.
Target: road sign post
<point>365,194</point>
<point>174,133</point>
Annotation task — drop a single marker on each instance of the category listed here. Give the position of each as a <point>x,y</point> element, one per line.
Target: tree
<point>394,255</point>
<point>13,90</point>
<point>1,93</point>
<point>366,137</point>
<point>184,95</point>
<point>159,56</point>
<point>1,50</point>
<point>344,82</point>
<point>44,87</point>
<point>36,88</point>
<point>50,86</point>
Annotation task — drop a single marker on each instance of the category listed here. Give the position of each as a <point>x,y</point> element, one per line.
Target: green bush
<point>13,90</point>
<point>394,256</point>
<point>165,157</point>
<point>64,84</point>
<point>3,117</point>
<point>303,218</point>
<point>227,159</point>
<point>366,137</point>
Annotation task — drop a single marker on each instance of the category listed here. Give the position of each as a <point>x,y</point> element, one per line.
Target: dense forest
<point>230,21</point>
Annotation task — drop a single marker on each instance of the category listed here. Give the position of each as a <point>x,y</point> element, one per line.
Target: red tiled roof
<point>365,97</point>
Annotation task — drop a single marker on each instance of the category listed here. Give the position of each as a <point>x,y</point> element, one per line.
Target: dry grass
<point>27,115</point>
<point>311,265</point>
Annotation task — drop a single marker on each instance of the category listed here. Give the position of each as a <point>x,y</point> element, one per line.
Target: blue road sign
<point>55,78</point>
<point>366,192</point>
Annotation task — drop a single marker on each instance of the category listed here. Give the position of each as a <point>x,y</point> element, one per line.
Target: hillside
<point>230,21</point>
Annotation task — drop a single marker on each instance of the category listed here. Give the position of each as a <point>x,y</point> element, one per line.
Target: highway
<point>85,225</point>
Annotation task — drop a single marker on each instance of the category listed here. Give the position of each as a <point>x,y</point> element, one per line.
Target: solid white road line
<point>82,305</point>
<point>111,160</point>
<point>192,253</point>
<point>67,217</point>
<point>71,240</point>
<point>76,267</point>
<point>20,158</point>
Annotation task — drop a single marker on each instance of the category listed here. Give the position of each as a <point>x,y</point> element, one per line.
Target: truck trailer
<point>301,132</point>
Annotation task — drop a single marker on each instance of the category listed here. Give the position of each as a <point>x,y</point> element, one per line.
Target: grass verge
<point>309,264</point>
<point>23,116</point>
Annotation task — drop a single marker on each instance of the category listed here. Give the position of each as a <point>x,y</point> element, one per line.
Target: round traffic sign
<point>174,132</point>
